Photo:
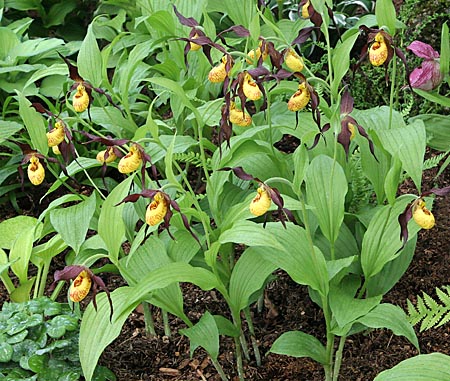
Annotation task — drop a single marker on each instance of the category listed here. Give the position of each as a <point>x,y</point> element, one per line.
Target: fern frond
<point>406,108</point>
<point>430,312</point>
<point>434,161</point>
<point>191,158</point>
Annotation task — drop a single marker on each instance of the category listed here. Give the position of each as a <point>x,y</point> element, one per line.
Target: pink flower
<point>427,76</point>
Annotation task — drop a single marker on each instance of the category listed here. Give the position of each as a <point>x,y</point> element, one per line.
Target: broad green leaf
<point>96,323</point>
<point>326,187</point>
<point>55,69</point>
<point>301,162</point>
<point>90,59</point>
<point>341,59</point>
<point>248,276</point>
<point>73,222</point>
<point>8,129</point>
<point>391,317</point>
<point>35,46</point>
<point>408,144</point>
<point>47,250</point>
<point>430,367</point>
<point>438,132</point>
<point>204,334</point>
<point>300,344</point>
<point>35,125</point>
<point>12,227</point>
<point>251,234</point>
<point>110,224</point>
<point>445,50</point>
<point>392,180</point>
<point>303,266</point>
<point>168,164</point>
<point>21,252</point>
<point>8,40</point>
<point>22,292</point>
<point>434,96</point>
<point>385,13</point>
<point>183,248</point>
<point>381,241</point>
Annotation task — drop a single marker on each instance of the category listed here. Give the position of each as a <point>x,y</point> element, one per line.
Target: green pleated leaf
<point>445,50</point>
<point>34,123</point>
<point>89,59</point>
<point>301,162</point>
<point>248,276</point>
<point>437,131</point>
<point>434,96</point>
<point>391,317</point>
<point>326,187</point>
<point>392,180</point>
<point>110,224</point>
<point>8,129</point>
<point>382,238</point>
<point>73,222</point>
<point>385,13</point>
<point>431,367</point>
<point>300,344</point>
<point>251,234</point>
<point>21,252</point>
<point>12,227</point>
<point>408,144</point>
<point>204,334</point>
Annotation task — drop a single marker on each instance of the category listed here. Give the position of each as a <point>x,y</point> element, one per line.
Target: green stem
<point>148,319</point>
<point>9,285</point>
<point>43,278</point>
<point>37,285</point>
<point>338,358</point>
<point>165,317</point>
<point>330,341</point>
<point>239,365</point>
<point>269,120</point>
<point>57,290</point>
<point>251,328</point>
<point>219,369</point>
<point>393,86</point>
<point>244,346</point>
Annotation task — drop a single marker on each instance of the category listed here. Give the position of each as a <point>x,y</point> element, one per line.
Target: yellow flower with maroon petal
<point>261,203</point>
<point>111,156</point>
<point>131,161</point>
<point>56,150</point>
<point>80,100</point>
<point>218,73</point>
<point>378,51</point>
<point>305,12</point>
<point>300,98</point>
<point>239,117</point>
<point>250,88</point>
<point>80,287</point>
<point>423,217</point>
<point>157,209</point>
<point>57,134</point>
<point>293,61</point>
<point>352,129</point>
<point>254,54</point>
<point>36,171</point>
<point>194,46</point>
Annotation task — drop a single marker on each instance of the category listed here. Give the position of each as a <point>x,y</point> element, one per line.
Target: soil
<point>136,355</point>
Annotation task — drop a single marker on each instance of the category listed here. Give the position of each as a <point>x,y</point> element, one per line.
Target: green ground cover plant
<point>171,116</point>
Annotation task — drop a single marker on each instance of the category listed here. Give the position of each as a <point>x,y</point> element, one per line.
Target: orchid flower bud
<point>131,161</point>
<point>80,287</point>
<point>250,88</point>
<point>378,51</point>
<point>36,171</point>
<point>80,100</point>
<point>423,217</point>
<point>300,98</point>
<point>293,61</point>
<point>56,135</point>
<point>156,210</point>
<point>261,203</point>
<point>239,117</point>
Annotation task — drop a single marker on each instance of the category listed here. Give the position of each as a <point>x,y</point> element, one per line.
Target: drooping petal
<point>423,50</point>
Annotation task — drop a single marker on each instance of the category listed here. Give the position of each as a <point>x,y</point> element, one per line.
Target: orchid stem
<point>148,319</point>
<point>219,369</point>
<point>165,317</point>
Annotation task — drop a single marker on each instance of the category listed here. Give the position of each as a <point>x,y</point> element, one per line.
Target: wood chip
<point>169,371</point>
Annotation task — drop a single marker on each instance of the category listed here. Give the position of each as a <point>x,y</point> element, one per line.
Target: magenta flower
<point>428,76</point>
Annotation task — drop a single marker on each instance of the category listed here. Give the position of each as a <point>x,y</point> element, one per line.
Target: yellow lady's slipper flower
<point>378,51</point>
<point>194,46</point>
<point>80,287</point>
<point>254,54</point>
<point>423,217</point>
<point>293,61</point>
<point>300,98</point>
<point>36,171</point>
<point>352,129</point>
<point>239,117</point>
<point>56,135</point>
<point>131,161</point>
<point>80,100</point>
<point>261,203</point>
<point>111,156</point>
<point>218,73</point>
<point>305,12</point>
<point>250,88</point>
<point>157,210</point>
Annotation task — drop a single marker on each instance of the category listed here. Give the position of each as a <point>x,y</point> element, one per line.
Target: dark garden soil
<point>134,355</point>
